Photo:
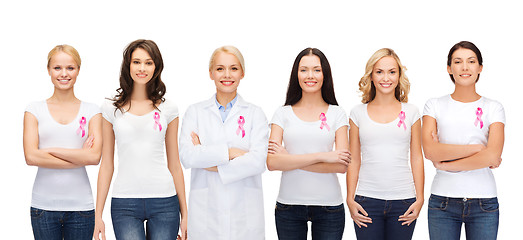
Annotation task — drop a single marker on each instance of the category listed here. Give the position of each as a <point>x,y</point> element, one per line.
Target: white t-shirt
<point>300,187</point>
<point>385,172</point>
<point>62,189</point>
<point>464,123</point>
<point>140,140</point>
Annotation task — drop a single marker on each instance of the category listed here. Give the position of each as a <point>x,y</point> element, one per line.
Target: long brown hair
<point>155,87</point>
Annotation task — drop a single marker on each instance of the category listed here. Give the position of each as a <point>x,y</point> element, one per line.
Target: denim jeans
<point>162,217</point>
<point>328,222</point>
<point>384,215</point>
<point>73,225</point>
<point>446,215</point>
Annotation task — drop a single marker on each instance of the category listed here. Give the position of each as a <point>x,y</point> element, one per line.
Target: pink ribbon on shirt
<point>81,128</point>
<point>157,121</point>
<point>402,120</point>
<point>479,113</point>
<point>323,119</point>
<point>241,121</point>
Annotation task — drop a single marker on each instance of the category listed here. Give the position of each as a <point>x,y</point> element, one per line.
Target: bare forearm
<point>43,159</point>
<point>287,162</point>
<point>480,160</point>
<point>80,157</point>
<point>418,174</point>
<point>105,176</point>
<point>326,168</point>
<point>444,152</point>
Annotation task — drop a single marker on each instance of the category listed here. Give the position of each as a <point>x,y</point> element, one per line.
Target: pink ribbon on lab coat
<point>479,113</point>
<point>241,121</point>
<point>81,128</point>
<point>402,120</point>
<point>157,121</point>
<point>323,119</point>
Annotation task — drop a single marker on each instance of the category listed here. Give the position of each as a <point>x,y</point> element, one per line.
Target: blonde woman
<point>62,135</point>
<point>224,142</point>
<point>384,194</point>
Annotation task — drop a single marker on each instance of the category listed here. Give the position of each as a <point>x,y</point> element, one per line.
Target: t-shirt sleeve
<point>108,111</point>
<point>341,118</point>
<point>497,113</point>
<point>430,108</point>
<point>32,108</point>
<point>278,117</point>
<point>354,116</point>
<point>171,111</point>
<point>414,114</point>
<point>92,110</point>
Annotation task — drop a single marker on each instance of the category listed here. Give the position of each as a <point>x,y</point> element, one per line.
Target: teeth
<point>310,83</point>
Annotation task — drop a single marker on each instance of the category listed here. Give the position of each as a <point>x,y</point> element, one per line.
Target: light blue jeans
<point>447,215</point>
<point>162,217</point>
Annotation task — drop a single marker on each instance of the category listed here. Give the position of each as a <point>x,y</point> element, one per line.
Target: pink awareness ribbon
<point>402,120</point>
<point>157,121</point>
<point>81,128</point>
<point>323,119</point>
<point>241,121</point>
<point>479,113</point>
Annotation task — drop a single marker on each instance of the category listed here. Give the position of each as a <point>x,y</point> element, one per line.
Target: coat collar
<point>211,105</point>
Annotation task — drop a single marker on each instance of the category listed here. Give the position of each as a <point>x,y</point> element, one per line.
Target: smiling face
<point>226,72</point>
<point>464,67</point>
<point>63,70</point>
<point>385,75</point>
<point>142,66</point>
<point>310,74</point>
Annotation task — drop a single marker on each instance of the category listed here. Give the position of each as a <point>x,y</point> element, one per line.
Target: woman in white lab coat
<point>224,141</point>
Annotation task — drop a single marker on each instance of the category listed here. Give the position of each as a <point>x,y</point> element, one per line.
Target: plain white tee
<point>300,187</point>
<point>464,123</point>
<point>62,189</point>
<point>385,172</point>
<point>140,140</point>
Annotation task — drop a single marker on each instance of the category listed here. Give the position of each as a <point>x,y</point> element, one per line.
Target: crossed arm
<point>454,157</point>
<point>324,162</point>
<point>62,158</point>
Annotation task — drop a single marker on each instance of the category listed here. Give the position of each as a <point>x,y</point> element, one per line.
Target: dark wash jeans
<point>68,225</point>
<point>328,222</point>
<point>161,214</point>
<point>447,215</point>
<point>384,215</point>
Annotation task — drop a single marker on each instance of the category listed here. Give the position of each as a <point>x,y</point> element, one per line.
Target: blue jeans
<point>384,215</point>
<point>446,215</point>
<point>161,214</point>
<point>328,222</point>
<point>51,225</point>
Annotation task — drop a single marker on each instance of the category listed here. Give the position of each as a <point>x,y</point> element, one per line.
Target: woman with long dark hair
<point>463,136</point>
<point>303,133</point>
<point>149,186</point>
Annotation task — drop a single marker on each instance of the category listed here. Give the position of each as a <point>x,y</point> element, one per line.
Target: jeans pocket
<point>438,203</point>
<point>333,209</point>
<point>36,213</point>
<point>86,214</point>
<point>360,199</point>
<point>282,207</point>
<point>408,201</point>
<point>489,204</point>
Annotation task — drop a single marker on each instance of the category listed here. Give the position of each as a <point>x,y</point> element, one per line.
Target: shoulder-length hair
<point>466,45</point>
<point>294,91</point>
<point>155,87</point>
<point>368,89</point>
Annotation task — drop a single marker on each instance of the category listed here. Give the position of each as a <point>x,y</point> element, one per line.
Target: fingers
<point>195,139</point>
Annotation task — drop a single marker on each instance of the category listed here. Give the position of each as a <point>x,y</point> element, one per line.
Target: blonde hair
<point>368,89</point>
<point>227,49</point>
<point>66,49</point>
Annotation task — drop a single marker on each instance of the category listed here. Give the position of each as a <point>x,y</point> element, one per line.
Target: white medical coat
<point>227,204</point>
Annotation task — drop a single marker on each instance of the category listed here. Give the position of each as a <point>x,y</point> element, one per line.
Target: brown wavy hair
<point>155,87</point>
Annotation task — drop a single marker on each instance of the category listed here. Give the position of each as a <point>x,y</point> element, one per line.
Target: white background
<point>270,34</point>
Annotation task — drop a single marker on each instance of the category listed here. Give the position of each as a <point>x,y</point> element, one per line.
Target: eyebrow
<point>467,58</point>
<point>147,59</point>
